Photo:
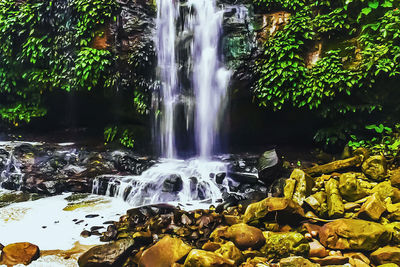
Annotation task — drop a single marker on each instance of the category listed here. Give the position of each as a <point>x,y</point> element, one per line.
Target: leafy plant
<point>382,140</point>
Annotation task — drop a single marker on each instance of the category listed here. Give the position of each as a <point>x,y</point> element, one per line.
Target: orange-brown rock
<point>317,250</point>
<point>242,235</point>
<point>331,260</point>
<point>273,208</point>
<point>19,253</point>
<point>372,208</point>
<point>354,234</point>
<point>164,253</point>
<point>386,254</point>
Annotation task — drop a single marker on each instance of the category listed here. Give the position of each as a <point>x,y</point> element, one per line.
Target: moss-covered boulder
<point>350,188</point>
<point>375,167</point>
<point>281,245</point>
<point>164,253</point>
<point>202,258</point>
<point>304,185</point>
<point>354,234</point>
<point>230,251</point>
<point>334,199</point>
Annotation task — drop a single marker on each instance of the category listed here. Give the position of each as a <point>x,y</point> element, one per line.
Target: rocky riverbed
<point>343,213</point>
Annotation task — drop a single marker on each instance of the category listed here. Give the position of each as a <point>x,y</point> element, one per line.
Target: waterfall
<point>167,14</point>
<point>210,78</point>
<point>206,73</point>
<point>189,104</point>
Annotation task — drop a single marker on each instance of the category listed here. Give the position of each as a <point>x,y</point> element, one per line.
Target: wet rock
<point>164,253</point>
<point>268,166</point>
<point>281,245</point>
<point>317,250</point>
<point>372,208</point>
<point>219,178</point>
<point>290,186</point>
<point>318,203</point>
<point>112,254</point>
<point>354,234</point>
<point>230,251</point>
<point>19,253</point>
<point>173,183</point>
<point>331,260</point>
<point>385,190</point>
<point>375,167</point>
<point>350,188</point>
<point>296,261</point>
<point>385,255</point>
<point>304,185</point>
<point>335,202</point>
<point>395,177</point>
<point>92,215</point>
<point>202,258</point>
<point>357,259</point>
<point>273,208</point>
<point>85,233</point>
<point>243,235</point>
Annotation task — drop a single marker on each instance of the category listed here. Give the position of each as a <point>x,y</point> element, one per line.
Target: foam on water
<point>23,222</point>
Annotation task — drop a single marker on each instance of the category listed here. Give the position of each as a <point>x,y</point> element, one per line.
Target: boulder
<point>19,253</point>
<point>372,208</point>
<point>290,186</point>
<point>385,255</point>
<point>202,258</point>
<point>335,202</point>
<point>281,245</point>
<point>243,235</point>
<point>268,166</point>
<point>173,183</point>
<point>375,167</point>
<point>350,188</point>
<point>304,185</point>
<point>230,251</point>
<point>164,253</point>
<point>111,254</point>
<point>354,234</point>
<point>296,261</point>
<point>395,177</point>
<point>331,260</point>
<point>274,208</point>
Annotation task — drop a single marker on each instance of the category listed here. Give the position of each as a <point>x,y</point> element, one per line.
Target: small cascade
<point>10,166</point>
<point>189,183</point>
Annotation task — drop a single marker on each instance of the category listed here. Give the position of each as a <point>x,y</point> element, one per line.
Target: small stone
<point>92,215</point>
<point>95,228</point>
<point>19,253</point>
<point>85,233</point>
<point>385,255</point>
<point>211,246</point>
<point>372,208</point>
<point>351,206</point>
<point>317,250</point>
<point>375,167</point>
<point>219,178</point>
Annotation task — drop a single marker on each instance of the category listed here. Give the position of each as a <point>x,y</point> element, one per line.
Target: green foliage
<point>125,136</point>
<point>46,46</point>
<point>359,50</point>
<point>381,140</point>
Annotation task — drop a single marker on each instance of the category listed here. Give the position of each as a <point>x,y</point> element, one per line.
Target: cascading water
<point>210,78</point>
<point>197,61</point>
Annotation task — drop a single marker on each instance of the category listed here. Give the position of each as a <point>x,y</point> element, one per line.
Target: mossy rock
<point>282,245</point>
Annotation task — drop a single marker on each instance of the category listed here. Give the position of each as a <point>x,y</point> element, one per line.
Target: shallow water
<point>25,221</point>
